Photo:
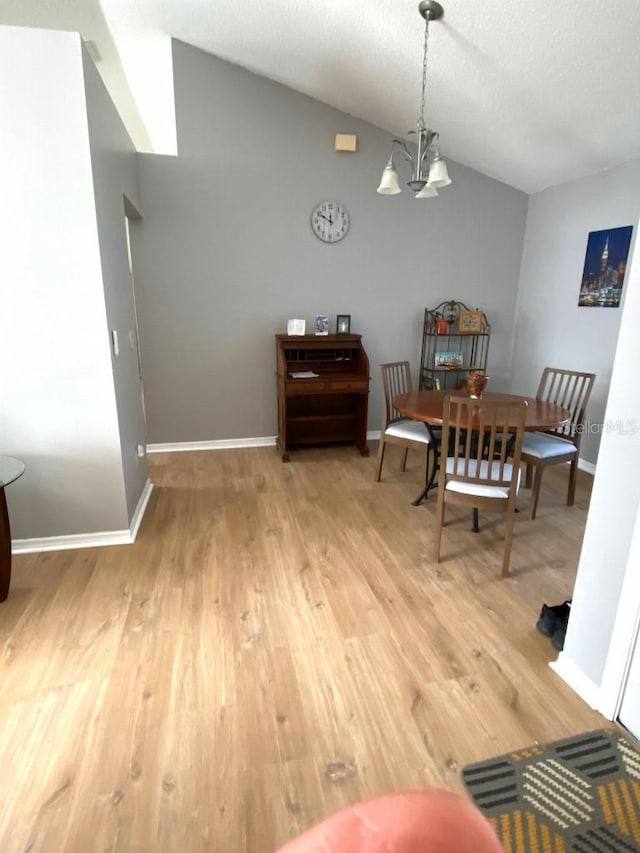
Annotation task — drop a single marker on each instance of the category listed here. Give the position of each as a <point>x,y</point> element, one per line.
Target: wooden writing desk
<point>323,391</point>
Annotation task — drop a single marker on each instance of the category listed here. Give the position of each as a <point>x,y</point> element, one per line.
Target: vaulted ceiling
<point>533,94</point>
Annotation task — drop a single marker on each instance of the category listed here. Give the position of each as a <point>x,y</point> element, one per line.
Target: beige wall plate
<point>346,141</point>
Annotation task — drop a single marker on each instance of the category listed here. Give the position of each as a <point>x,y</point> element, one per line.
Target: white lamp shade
<point>389,182</point>
<point>427,191</point>
<point>438,174</point>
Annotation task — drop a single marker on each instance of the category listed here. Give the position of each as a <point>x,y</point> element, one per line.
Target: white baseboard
<point>572,675</point>
<point>227,443</point>
<point>72,540</point>
<point>101,539</point>
<point>589,467</point>
<point>218,444</point>
<point>139,511</point>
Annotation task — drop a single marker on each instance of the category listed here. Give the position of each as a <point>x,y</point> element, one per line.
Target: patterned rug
<point>581,794</point>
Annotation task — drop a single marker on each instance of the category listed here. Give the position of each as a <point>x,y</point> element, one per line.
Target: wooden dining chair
<point>571,390</point>
<point>395,428</point>
<point>481,435</point>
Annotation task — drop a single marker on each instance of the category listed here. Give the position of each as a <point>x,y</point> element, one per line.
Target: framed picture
<point>322,325</point>
<point>470,321</point>
<point>343,324</point>
<point>605,265</point>
<point>296,327</point>
<point>448,360</point>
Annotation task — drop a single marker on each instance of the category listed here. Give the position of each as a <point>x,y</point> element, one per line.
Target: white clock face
<point>330,221</point>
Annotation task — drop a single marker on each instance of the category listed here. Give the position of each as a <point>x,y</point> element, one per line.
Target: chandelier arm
<point>402,150</point>
<point>431,137</point>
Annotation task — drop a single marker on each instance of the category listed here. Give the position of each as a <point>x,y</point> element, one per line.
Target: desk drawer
<point>343,385</point>
<point>302,386</point>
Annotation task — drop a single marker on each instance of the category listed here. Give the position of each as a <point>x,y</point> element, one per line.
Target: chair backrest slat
<point>396,379</point>
<point>570,389</point>
<point>481,435</point>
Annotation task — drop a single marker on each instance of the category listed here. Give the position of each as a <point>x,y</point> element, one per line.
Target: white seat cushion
<point>546,446</point>
<point>477,488</point>
<point>415,430</point>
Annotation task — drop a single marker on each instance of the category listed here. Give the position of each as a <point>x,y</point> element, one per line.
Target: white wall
<point>550,328</point>
<point>624,650</point>
<point>614,506</point>
<point>58,409</point>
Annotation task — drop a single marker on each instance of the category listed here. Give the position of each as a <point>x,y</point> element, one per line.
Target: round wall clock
<point>330,221</point>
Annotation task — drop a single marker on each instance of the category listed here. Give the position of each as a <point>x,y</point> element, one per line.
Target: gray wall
<point>225,253</point>
<point>114,169</point>
<point>550,327</point>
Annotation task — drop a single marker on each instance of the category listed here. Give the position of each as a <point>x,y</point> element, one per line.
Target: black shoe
<point>552,617</point>
<point>559,634</point>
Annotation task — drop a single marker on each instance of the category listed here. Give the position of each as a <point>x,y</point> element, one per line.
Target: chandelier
<point>428,169</point>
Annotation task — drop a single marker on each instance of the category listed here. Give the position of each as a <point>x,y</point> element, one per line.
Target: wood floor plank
<point>278,643</point>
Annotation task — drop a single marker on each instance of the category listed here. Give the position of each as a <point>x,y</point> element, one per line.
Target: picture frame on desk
<point>343,324</point>
<point>296,327</point>
<point>322,325</point>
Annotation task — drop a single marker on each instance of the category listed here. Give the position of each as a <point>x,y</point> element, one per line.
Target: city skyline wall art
<point>605,266</point>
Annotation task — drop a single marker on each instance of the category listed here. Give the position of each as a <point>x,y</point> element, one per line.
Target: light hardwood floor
<point>277,644</point>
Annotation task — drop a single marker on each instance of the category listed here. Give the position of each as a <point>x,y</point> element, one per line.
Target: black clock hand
<point>327,218</point>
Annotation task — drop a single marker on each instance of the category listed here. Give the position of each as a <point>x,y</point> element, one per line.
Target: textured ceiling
<point>531,94</point>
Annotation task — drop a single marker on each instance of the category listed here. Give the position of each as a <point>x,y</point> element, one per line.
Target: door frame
<point>624,636</point>
<point>130,212</point>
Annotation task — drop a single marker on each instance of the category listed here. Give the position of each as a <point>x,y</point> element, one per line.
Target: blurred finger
<point>429,821</point>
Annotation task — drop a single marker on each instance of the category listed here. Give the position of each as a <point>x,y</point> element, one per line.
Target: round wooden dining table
<point>428,407</point>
